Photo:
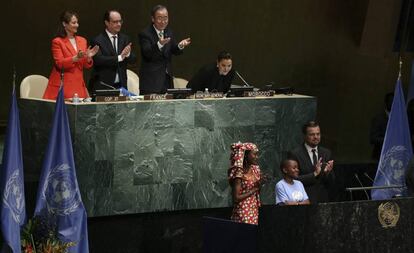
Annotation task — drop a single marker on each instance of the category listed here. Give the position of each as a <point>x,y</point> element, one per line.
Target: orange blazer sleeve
<point>87,63</point>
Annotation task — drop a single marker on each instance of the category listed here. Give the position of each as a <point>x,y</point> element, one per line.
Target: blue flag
<point>396,150</point>
<point>12,207</point>
<point>58,195</point>
<point>126,92</point>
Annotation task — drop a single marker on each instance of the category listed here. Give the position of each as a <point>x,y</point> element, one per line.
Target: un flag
<point>12,205</point>
<point>58,195</point>
<point>396,150</point>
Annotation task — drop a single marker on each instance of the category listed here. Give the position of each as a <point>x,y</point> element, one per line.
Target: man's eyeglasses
<point>117,21</point>
<point>161,18</point>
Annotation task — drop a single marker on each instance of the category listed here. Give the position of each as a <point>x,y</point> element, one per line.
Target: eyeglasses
<point>159,18</point>
<point>117,21</point>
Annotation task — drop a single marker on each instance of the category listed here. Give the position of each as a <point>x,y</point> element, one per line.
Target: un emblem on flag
<point>13,196</point>
<point>394,160</point>
<point>61,192</point>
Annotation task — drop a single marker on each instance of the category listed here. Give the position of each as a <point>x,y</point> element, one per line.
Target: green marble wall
<point>168,155</point>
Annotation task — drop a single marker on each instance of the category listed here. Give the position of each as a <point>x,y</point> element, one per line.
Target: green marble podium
<point>149,156</point>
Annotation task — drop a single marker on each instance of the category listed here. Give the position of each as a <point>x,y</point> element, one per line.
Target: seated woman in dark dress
<point>216,77</point>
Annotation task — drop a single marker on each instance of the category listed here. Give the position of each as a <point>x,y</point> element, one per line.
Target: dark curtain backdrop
<point>339,51</point>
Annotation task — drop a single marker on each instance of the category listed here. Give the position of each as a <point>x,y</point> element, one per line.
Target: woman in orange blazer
<point>70,54</point>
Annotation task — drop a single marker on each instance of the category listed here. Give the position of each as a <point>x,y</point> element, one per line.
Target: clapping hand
<point>184,43</point>
<point>318,167</point>
<point>126,51</point>
<point>164,41</point>
<point>329,166</point>
<point>78,56</point>
<point>90,52</point>
<point>254,190</point>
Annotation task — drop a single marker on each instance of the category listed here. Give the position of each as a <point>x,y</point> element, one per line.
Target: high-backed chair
<point>179,82</point>
<point>133,82</point>
<point>33,86</point>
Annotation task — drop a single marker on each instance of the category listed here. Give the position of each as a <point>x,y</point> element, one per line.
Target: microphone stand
<point>362,186</point>
<point>14,78</point>
<point>351,189</point>
<point>245,84</point>
<point>366,175</point>
<point>107,85</point>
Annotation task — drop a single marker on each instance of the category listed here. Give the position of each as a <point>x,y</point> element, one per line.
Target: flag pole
<point>14,78</point>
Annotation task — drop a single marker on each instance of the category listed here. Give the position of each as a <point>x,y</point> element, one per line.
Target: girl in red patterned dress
<point>244,178</point>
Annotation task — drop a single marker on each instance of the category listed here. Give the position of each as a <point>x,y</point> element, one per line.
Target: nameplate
<point>158,96</point>
<point>209,95</point>
<point>269,93</point>
<point>110,98</point>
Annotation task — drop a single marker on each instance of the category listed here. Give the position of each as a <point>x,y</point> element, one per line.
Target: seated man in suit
<point>316,179</point>
<point>110,63</point>
<point>158,45</point>
<point>216,77</point>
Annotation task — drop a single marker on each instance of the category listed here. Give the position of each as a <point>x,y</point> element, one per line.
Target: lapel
<point>80,44</point>
<point>109,42</point>
<point>322,154</point>
<point>167,32</point>
<point>166,48</point>
<point>121,43</point>
<point>154,34</point>
<point>155,40</point>
<point>69,46</point>
<point>307,157</point>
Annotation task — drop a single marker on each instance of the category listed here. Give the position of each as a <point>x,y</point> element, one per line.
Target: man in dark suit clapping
<point>157,47</point>
<point>110,63</point>
<point>316,179</point>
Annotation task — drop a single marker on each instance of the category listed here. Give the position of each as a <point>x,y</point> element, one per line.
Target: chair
<point>33,86</point>
<point>179,82</point>
<point>133,82</point>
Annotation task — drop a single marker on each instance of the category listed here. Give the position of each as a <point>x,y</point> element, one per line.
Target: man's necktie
<point>114,43</point>
<point>314,157</point>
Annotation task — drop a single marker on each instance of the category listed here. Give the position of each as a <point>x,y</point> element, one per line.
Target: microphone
<point>360,183</point>
<point>244,81</point>
<point>366,175</point>
<point>269,85</point>
<point>107,85</point>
